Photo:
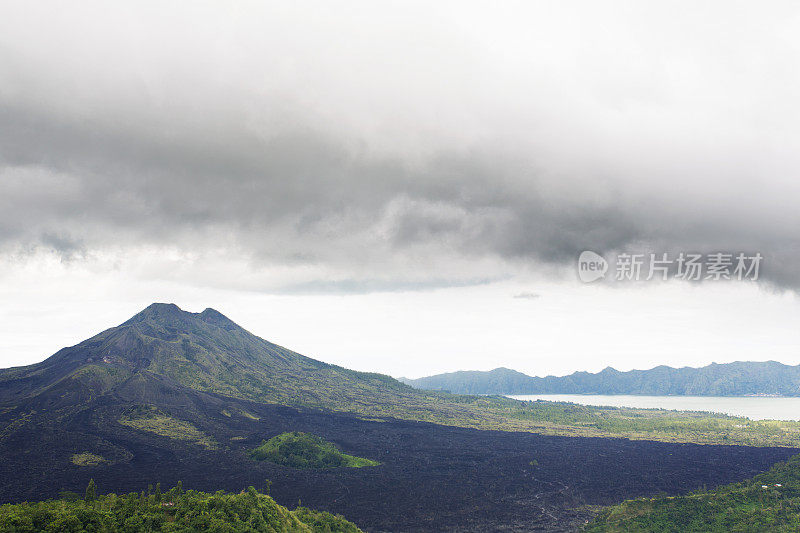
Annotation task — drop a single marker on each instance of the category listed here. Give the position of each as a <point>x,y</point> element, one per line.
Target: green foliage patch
<point>171,511</point>
<point>151,419</point>
<point>303,450</point>
<point>174,510</point>
<point>88,459</point>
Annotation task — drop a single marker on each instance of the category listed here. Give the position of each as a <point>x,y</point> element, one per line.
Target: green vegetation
<point>568,419</point>
<point>149,418</point>
<point>88,459</point>
<point>322,522</point>
<point>174,510</point>
<point>767,502</point>
<point>559,418</point>
<point>303,450</point>
<point>91,491</point>
<point>239,412</point>
<point>99,379</point>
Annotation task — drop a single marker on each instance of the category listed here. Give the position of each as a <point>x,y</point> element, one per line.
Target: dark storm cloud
<point>116,142</point>
<point>296,194</point>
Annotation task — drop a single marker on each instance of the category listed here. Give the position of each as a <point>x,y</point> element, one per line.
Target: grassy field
<point>767,502</point>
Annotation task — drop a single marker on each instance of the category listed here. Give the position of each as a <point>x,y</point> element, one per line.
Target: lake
<point>753,407</point>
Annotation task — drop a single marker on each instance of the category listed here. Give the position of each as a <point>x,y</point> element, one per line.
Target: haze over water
<point>752,407</point>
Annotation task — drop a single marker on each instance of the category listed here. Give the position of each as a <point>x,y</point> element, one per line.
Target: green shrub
<point>303,450</point>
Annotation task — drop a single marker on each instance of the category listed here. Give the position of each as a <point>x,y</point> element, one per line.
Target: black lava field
<point>431,477</point>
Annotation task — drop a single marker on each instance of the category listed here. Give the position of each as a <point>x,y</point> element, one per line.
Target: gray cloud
<point>421,162</point>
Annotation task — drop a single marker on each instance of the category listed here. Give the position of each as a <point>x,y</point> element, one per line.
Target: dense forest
<point>173,510</point>
<point>731,379</point>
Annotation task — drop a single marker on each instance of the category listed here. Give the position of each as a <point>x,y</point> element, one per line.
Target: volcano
<point>202,351</point>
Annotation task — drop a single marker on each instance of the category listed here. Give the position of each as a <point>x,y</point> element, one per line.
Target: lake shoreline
<point>785,408</point>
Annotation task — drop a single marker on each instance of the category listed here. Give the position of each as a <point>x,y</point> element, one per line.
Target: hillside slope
<point>730,379</point>
<point>767,502</point>
<point>208,352</point>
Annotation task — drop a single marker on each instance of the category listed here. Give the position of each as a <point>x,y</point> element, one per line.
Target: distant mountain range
<point>730,379</point>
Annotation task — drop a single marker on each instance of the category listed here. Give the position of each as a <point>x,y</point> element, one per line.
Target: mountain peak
<point>169,314</point>
<point>158,311</point>
<point>162,308</point>
<point>212,316</point>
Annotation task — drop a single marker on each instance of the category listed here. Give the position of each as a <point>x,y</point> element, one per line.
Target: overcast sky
<point>403,187</point>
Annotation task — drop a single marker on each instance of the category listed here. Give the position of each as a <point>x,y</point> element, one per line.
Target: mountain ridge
<point>740,378</point>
